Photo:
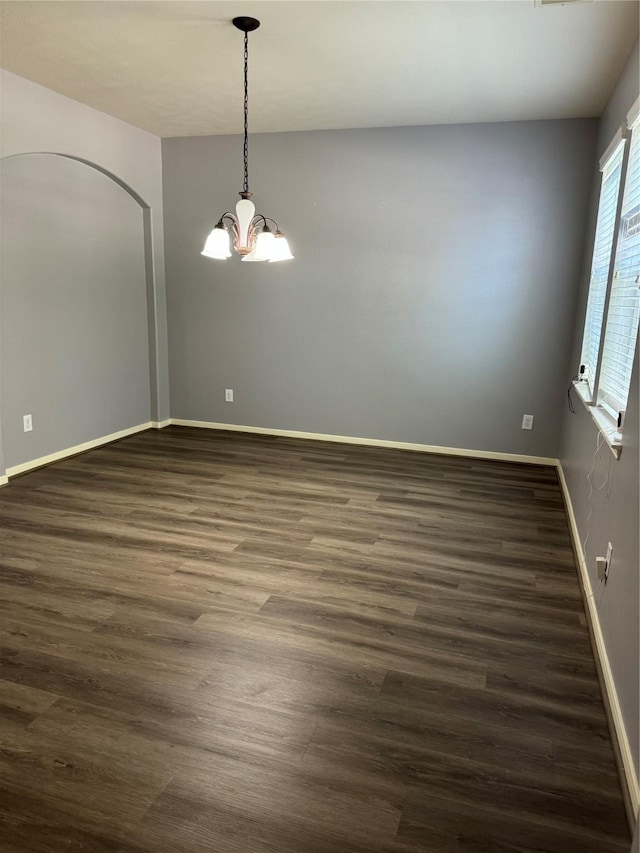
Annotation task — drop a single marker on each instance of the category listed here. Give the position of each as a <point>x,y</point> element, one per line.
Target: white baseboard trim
<point>72,451</point>
<point>624,754</point>
<point>286,433</point>
<point>371,442</point>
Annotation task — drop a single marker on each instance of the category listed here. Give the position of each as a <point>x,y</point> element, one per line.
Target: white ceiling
<point>175,68</point>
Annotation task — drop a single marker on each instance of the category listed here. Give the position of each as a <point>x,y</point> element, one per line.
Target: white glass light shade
<point>281,250</point>
<point>245,211</point>
<point>264,245</point>
<point>217,245</point>
<point>251,257</point>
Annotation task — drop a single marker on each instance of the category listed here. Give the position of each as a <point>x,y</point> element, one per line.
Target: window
<point>601,262</point>
<point>613,306</point>
<point>624,302</point>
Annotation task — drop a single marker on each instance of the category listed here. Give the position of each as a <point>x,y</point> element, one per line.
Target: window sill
<point>583,392</point>
<point>608,429</point>
<point>604,422</point>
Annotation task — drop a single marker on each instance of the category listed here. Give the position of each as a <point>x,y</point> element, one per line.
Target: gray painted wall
<point>435,280</point>
<point>35,119</point>
<point>611,514</point>
<point>74,306</point>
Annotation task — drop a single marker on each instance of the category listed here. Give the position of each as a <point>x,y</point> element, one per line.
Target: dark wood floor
<point>223,643</point>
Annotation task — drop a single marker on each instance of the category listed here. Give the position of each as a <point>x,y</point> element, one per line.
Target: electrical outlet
<point>527,422</point>
<point>228,395</point>
<point>601,565</point>
<point>27,423</point>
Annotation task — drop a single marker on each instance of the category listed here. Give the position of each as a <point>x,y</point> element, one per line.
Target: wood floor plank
<point>246,644</point>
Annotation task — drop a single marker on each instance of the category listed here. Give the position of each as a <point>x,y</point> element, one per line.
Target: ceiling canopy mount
<point>247,25</point>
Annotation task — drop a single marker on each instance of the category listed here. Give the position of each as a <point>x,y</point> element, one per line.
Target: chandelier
<point>255,237</point>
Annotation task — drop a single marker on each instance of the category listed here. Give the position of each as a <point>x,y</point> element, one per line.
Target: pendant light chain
<point>246,113</point>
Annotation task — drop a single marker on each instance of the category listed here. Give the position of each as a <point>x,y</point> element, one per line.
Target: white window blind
<point>601,261</point>
<point>624,303</point>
